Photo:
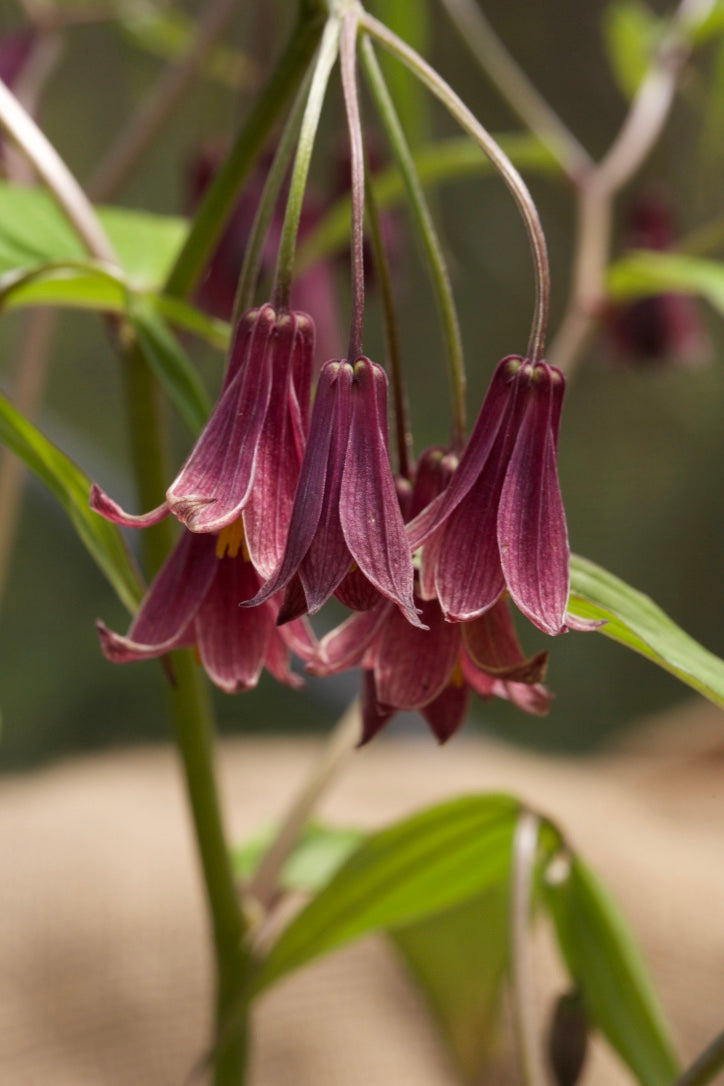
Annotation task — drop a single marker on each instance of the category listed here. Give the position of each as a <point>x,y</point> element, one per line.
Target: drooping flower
<point>434,668</point>
<point>193,601</point>
<point>500,524</point>
<point>246,461</point>
<point>346,531</point>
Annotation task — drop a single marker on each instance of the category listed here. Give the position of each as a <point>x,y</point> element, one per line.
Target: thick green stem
<point>191,714</point>
<point>428,237</point>
<point>223,191</point>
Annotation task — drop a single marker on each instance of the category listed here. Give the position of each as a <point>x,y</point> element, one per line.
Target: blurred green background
<point>641,461</point>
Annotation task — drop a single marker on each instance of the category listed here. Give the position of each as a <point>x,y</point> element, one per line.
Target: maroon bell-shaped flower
<point>432,669</point>
<point>194,601</point>
<point>246,461</point>
<point>500,524</point>
<point>346,521</point>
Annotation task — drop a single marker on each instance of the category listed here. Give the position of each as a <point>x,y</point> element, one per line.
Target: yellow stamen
<point>231,540</point>
<point>457,678</point>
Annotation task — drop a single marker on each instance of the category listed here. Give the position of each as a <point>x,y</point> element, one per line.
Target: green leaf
<point>604,961</point>
<point>71,487</point>
<point>630,33</point>
<point>77,284</point>
<point>436,163</point>
<point>317,856</point>
<point>402,874</point>
<point>171,365</point>
<point>637,622</point>
<point>649,272</point>
<point>146,244</point>
<point>459,960</point>
<point>189,319</point>
<point>412,23</point>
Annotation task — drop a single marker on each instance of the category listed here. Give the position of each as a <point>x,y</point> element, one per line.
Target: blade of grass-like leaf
<point>636,621</point>
<point>71,487</point>
<point>75,284</point>
<point>604,961</point>
<point>459,959</point>
<point>171,366</point>
<point>420,866</point>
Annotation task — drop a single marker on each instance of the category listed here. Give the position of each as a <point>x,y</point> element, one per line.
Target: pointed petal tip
<point>582,625</point>
<point>100,503</point>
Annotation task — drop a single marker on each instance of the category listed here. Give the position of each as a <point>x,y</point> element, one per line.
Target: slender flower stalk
<point>348,55</point>
<point>428,236</point>
<point>403,431</point>
<point>326,57</point>
<point>499,159</point>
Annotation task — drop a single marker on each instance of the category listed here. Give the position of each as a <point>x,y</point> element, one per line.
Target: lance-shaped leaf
<point>72,488</point>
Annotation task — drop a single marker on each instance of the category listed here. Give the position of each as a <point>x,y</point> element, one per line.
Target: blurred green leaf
<point>630,33</point>
<point>637,622</point>
<point>317,855</point>
<point>650,272</point>
<point>75,284</point>
<point>604,961</point>
<point>459,959</point>
<point>146,244</point>
<point>71,487</point>
<point>189,319</point>
<point>436,163</point>
<point>170,364</point>
<point>423,865</point>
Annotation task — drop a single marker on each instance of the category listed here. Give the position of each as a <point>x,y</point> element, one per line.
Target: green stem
<point>191,714</point>
<point>326,57</point>
<point>708,1064</point>
<point>223,191</point>
<point>428,238</point>
<point>403,431</point>
<point>255,246</point>
<point>514,182</point>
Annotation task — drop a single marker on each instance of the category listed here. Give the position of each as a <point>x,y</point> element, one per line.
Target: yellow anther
<point>231,540</point>
<point>457,678</point>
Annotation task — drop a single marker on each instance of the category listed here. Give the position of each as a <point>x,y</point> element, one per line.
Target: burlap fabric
<point>104,975</point>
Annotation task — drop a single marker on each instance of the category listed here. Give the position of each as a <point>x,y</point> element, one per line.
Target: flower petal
<point>347,644</point>
<point>268,509</point>
<point>232,642</point>
<point>374,715</point>
<point>369,509</point>
<point>103,505</point>
<point>414,665</point>
<point>356,592</point>
<point>322,458</point>
<point>532,532</point>
<point>492,422</point>
<point>171,604</point>
<point>492,645</point>
<point>447,712</point>
<point>213,485</point>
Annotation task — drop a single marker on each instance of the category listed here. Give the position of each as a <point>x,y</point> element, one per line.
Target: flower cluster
<point>280,512</point>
